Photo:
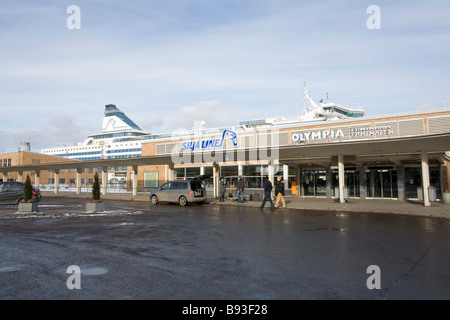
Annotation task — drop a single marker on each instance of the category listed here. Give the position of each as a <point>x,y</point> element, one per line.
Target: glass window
<point>176,185</point>
<point>179,173</point>
<point>209,183</point>
<point>165,186</point>
<point>192,172</point>
<point>228,171</point>
<point>253,175</point>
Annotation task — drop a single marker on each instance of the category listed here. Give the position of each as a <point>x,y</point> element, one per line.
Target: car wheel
<point>154,199</point>
<point>182,201</point>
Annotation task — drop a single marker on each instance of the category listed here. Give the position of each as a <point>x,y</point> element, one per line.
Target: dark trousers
<point>222,196</point>
<point>267,196</point>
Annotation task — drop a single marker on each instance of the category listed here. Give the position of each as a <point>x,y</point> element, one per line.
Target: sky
<point>168,63</point>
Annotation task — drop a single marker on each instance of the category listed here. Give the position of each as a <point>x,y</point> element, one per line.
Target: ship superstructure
<point>120,137</point>
<point>313,112</point>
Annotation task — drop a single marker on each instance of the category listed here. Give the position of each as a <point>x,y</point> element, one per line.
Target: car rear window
<point>195,185</point>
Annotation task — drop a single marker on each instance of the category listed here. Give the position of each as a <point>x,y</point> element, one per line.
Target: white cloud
<point>175,62</point>
<point>57,131</point>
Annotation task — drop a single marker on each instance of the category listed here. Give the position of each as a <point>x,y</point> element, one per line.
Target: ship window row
<point>124,156</point>
<point>65,150</point>
<point>116,135</point>
<point>349,114</point>
<point>124,150</point>
<point>77,154</point>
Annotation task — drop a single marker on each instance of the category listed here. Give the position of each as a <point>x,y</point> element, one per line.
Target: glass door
<point>382,183</point>
<point>352,182</point>
<point>412,181</point>
<point>314,183</point>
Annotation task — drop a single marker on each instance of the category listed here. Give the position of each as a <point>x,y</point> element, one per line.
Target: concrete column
<point>104,180</point>
<point>170,175</point>
<point>78,180</point>
<point>240,169</point>
<point>5,176</point>
<point>202,170</point>
<point>341,177</point>
<point>271,173</point>
<point>448,178</point>
<point>56,175</point>
<point>134,175</point>
<point>286,176</point>
<point>425,178</point>
<point>329,182</point>
<point>37,174</point>
<point>20,176</point>
<point>216,181</point>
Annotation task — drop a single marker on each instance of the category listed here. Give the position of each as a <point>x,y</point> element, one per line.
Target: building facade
<point>306,155</point>
<point>398,156</point>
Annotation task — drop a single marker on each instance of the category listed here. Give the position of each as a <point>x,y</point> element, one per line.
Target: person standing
<point>267,194</point>
<point>279,192</point>
<point>222,189</point>
<point>240,191</point>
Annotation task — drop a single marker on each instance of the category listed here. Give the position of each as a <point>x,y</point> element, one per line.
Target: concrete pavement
<point>388,206</point>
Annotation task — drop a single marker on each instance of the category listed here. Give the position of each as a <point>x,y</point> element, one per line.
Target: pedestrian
<point>279,192</point>
<point>267,194</point>
<point>222,190</point>
<point>240,191</point>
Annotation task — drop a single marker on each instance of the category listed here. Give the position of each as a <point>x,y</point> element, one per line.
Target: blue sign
<point>210,143</point>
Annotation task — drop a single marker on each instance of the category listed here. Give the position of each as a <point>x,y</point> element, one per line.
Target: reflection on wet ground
<point>135,250</point>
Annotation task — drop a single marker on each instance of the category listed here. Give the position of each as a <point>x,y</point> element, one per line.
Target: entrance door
<point>314,183</point>
<point>352,182</point>
<point>382,183</point>
<point>413,180</point>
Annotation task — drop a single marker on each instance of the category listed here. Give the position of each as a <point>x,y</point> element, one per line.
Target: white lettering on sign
<point>371,131</point>
<point>305,136</point>
<point>368,131</point>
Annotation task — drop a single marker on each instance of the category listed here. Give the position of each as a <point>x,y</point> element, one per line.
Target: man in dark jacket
<point>267,194</point>
<point>240,190</point>
<point>222,189</point>
<point>279,192</point>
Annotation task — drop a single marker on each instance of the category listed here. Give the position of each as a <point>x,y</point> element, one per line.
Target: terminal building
<point>328,152</point>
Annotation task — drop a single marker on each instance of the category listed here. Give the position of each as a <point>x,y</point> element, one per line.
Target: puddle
<point>11,268</point>
<point>95,271</point>
<point>332,229</point>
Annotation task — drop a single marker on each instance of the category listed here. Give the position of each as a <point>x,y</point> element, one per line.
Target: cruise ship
<point>120,137</point>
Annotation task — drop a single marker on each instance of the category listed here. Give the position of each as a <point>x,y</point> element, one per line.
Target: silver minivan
<point>179,191</point>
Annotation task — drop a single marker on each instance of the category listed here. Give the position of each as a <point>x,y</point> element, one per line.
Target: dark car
<point>181,191</point>
<point>12,192</point>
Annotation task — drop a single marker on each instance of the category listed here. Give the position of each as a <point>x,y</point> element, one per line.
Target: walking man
<point>240,191</point>
<point>279,192</point>
<point>267,194</point>
<point>222,189</point>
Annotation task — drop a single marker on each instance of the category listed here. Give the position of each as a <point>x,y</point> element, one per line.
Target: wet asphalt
<point>136,250</point>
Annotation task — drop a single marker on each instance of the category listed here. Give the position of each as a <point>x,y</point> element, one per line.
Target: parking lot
<point>136,250</point>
